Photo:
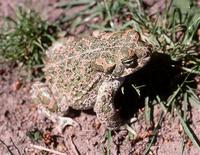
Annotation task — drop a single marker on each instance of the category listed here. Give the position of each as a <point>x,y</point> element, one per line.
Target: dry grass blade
<point>15,146</point>
<point>48,150</point>
<point>8,148</point>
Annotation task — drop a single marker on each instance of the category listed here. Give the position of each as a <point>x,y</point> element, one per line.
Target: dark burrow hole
<point>160,77</point>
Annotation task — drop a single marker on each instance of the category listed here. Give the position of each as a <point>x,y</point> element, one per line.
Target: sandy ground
<point>19,117</point>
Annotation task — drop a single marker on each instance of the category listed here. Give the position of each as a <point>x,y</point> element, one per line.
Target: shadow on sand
<point>161,76</point>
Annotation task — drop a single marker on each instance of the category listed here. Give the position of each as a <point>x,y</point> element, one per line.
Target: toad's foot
<point>44,98</point>
<point>60,122</point>
<point>104,106</point>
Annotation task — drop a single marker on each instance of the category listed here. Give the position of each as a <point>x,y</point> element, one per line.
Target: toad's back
<point>75,68</point>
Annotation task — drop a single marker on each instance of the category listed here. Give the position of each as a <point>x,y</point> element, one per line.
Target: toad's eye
<point>129,57</point>
<point>131,62</point>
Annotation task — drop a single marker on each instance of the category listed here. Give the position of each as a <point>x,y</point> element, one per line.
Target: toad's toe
<point>41,94</point>
<point>60,122</point>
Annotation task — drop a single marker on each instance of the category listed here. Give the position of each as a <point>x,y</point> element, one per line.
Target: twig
<point>48,150</point>
<point>15,147</point>
<point>72,146</point>
<point>6,147</point>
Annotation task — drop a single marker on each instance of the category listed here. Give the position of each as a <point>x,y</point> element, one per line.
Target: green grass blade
<point>155,132</point>
<point>183,5</point>
<point>148,111</point>
<point>191,30</point>
<point>173,97</point>
<point>189,131</point>
<point>185,106</point>
<point>70,4</point>
<point>109,138</point>
<point>193,98</point>
<point>162,104</point>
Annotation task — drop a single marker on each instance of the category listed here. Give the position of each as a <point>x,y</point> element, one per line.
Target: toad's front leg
<point>104,106</point>
<point>47,105</point>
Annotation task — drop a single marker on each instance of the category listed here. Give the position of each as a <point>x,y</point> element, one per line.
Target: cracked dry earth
<point>18,116</point>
